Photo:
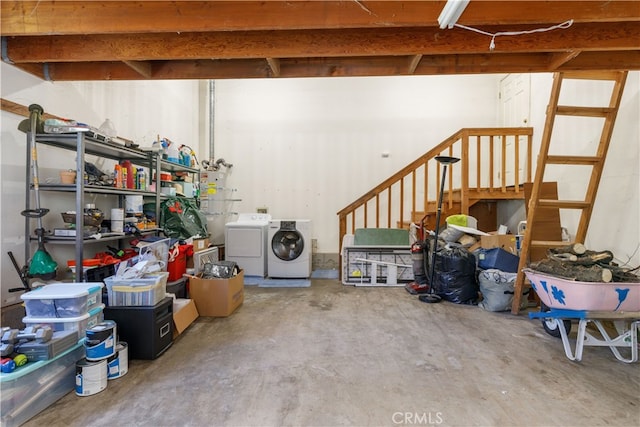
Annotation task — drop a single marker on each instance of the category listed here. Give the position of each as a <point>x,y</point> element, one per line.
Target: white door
<point>515,109</point>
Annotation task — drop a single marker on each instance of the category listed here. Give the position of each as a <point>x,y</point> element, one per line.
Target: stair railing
<point>493,160</point>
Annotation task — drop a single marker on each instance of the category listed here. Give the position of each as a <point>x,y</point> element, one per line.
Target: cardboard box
<point>217,297</point>
<point>200,244</point>
<point>184,314</point>
<point>503,241</point>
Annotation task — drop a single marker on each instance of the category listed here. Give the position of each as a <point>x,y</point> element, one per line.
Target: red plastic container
<point>178,265</point>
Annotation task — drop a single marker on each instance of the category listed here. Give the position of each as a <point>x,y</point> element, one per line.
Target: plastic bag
<point>455,275</point>
<point>220,270</point>
<point>497,289</point>
<point>180,218</point>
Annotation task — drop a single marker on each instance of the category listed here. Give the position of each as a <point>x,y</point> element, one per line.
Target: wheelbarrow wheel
<point>551,325</point>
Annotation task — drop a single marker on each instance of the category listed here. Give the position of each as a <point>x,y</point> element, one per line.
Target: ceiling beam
<point>343,67</point>
<point>43,17</point>
<point>314,43</point>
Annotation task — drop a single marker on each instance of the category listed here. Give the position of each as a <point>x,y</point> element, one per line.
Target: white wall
<point>306,148</point>
<point>139,110</point>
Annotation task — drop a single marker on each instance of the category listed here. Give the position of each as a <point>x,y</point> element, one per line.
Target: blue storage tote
<point>499,259</point>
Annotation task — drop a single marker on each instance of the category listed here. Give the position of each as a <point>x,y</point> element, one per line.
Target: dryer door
<point>287,245</point>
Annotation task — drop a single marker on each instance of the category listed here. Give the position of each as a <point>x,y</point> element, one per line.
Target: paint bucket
<point>117,220</point>
<point>101,340</point>
<point>91,377</point>
<point>118,364</point>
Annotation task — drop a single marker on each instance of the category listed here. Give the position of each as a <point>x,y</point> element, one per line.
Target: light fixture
<point>432,297</point>
<point>451,13</point>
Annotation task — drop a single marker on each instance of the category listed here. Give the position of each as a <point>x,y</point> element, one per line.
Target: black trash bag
<point>455,275</point>
<point>180,218</point>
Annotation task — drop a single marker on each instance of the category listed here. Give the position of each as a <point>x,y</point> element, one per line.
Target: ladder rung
<point>548,243</point>
<point>574,160</point>
<point>563,204</point>
<point>591,75</point>
<point>569,110</point>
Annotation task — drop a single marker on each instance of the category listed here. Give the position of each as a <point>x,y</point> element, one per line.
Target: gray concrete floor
<point>332,355</point>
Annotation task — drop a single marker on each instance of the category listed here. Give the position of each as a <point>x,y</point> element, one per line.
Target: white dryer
<point>245,242</point>
<point>289,248</point>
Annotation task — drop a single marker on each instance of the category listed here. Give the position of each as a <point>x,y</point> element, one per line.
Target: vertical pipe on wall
<point>212,104</point>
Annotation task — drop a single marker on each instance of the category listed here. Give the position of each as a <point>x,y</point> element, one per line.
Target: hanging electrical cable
<point>492,44</point>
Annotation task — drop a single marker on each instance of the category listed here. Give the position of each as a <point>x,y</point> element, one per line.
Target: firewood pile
<point>576,262</point>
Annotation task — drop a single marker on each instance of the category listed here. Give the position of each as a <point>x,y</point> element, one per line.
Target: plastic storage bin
<point>499,259</point>
<point>155,251</point>
<point>31,388</point>
<point>79,323</point>
<point>147,290</point>
<point>63,299</point>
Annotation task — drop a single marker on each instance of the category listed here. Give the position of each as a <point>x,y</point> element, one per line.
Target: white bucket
<point>118,364</point>
<point>91,377</point>
<point>117,220</point>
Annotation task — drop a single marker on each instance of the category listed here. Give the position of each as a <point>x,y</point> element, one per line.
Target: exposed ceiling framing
<point>148,40</point>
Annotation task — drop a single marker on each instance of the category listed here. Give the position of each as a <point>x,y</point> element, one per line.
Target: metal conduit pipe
<point>212,114</point>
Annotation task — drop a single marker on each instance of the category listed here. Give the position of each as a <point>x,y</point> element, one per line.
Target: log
<point>593,257</point>
<point>570,270</point>
<point>587,258</point>
<point>574,248</point>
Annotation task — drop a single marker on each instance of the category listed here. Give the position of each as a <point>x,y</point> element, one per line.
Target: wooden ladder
<point>596,162</point>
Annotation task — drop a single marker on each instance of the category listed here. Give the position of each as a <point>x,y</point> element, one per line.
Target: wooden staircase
<point>495,162</point>
<point>595,162</point>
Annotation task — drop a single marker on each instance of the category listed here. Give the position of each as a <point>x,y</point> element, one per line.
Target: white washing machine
<point>245,242</point>
<point>289,248</point>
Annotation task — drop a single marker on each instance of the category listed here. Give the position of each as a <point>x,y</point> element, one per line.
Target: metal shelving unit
<point>84,143</point>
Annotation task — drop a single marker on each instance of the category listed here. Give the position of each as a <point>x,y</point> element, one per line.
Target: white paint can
<point>118,364</point>
<point>91,377</point>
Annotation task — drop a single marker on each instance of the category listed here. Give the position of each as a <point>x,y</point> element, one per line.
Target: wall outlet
<point>262,210</point>
<point>314,245</point>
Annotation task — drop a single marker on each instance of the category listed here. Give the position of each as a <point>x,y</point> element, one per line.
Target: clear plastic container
<point>79,323</point>
<point>63,299</point>
<point>32,388</point>
<point>145,291</point>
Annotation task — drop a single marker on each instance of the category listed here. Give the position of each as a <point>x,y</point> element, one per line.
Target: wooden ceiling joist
<point>132,40</point>
<point>41,17</point>
<point>300,44</point>
<point>337,67</point>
